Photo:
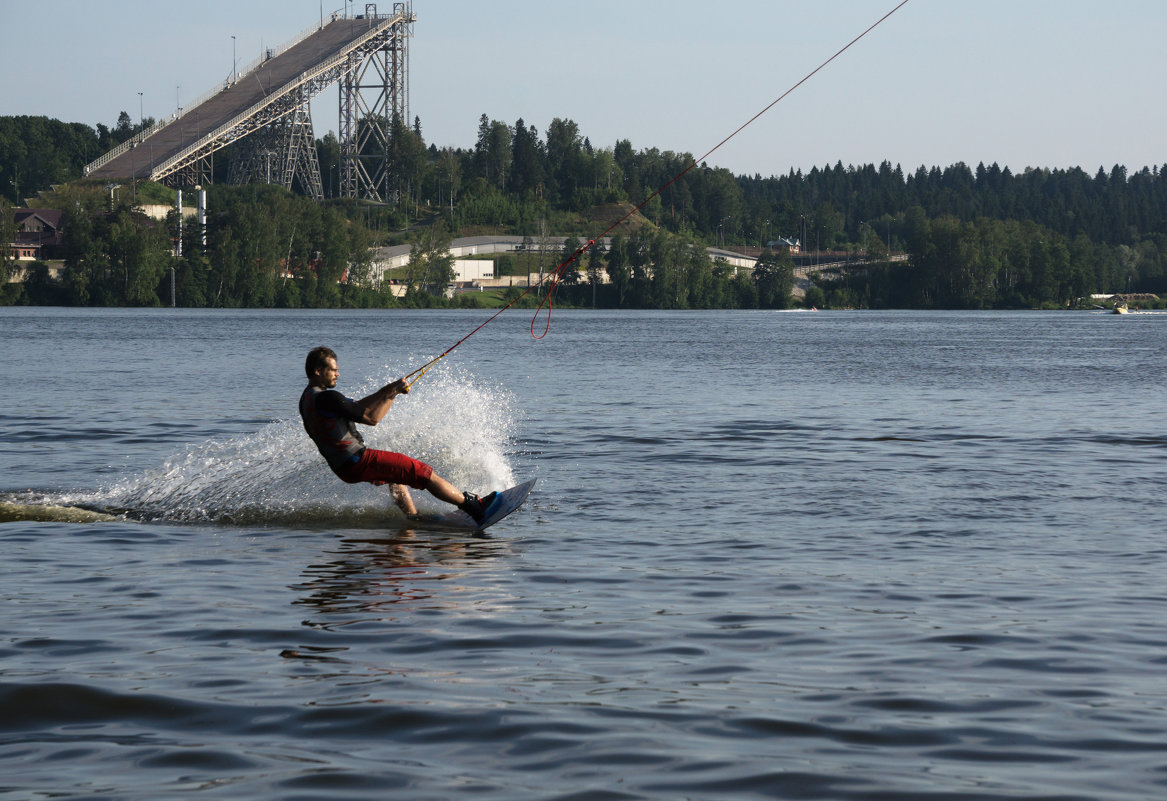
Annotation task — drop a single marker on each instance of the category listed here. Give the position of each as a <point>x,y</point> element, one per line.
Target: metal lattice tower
<point>300,156</point>
<point>374,91</point>
<point>282,152</point>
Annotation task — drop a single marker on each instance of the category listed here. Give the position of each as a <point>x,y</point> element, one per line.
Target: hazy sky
<point>1017,82</point>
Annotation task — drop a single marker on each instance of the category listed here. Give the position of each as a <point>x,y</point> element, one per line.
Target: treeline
<point>986,264</point>
<point>265,248</point>
<point>39,152</point>
<point>1113,224</point>
<point>984,237</point>
<point>656,269</point>
<point>516,178</point>
<point>513,176</point>
<point>269,248</point>
<point>649,269</point>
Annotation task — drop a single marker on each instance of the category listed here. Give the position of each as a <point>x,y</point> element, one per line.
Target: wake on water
<point>276,475</point>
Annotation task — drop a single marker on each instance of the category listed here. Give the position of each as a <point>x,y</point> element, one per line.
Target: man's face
<point>327,375</point>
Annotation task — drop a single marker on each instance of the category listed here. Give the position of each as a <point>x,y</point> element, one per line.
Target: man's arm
<point>376,406</point>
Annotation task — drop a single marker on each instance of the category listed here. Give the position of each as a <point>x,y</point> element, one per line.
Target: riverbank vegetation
<point>954,237</point>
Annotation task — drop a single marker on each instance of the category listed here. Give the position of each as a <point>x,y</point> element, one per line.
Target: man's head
<point>321,367</point>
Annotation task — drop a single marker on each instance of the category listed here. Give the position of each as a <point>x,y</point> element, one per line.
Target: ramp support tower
<point>374,92</point>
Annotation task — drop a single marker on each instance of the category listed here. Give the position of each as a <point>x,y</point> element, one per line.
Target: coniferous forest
<point>954,237</point>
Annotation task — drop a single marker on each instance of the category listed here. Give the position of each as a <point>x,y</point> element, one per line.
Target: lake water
<point>831,555</point>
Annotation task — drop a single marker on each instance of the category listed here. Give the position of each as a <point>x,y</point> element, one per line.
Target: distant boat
<point>1121,308</point>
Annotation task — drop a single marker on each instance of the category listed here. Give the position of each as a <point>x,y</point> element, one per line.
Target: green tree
<point>665,273</point>
<point>140,256</point>
<point>618,268</point>
<point>431,266</point>
<point>527,168</point>
<point>407,159</point>
<point>743,293</point>
<point>7,238</point>
<point>492,152</point>
<point>328,156</point>
<point>637,247</point>
<point>569,263</point>
<point>332,266</point>
<point>450,170</point>
<point>88,269</point>
<point>226,262</point>
<point>774,279</point>
<point>39,287</point>
<point>702,286</point>
<point>564,157</point>
<point>595,269</point>
<point>359,287</point>
<point>191,273</point>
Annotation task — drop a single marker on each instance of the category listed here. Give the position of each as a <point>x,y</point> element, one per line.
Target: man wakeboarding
<point>329,419</point>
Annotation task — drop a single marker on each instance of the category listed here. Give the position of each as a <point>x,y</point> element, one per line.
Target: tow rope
<point>555,276</point>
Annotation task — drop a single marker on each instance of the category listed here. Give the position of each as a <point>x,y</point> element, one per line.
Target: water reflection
<point>366,579</point>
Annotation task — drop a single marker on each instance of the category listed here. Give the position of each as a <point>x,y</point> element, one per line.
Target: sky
<point>1019,83</point>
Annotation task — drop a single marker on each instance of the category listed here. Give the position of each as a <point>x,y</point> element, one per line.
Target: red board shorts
<point>386,467</point>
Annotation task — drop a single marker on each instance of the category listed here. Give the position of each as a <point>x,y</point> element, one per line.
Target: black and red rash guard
<point>328,418</point>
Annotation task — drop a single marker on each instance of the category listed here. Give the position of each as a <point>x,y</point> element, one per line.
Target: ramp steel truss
<point>270,103</point>
<point>280,153</point>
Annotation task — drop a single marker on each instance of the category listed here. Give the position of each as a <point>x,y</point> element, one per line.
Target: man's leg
<point>393,468</point>
<point>403,499</point>
<point>444,491</point>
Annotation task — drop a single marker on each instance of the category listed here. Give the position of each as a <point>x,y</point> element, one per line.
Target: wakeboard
<point>503,504</point>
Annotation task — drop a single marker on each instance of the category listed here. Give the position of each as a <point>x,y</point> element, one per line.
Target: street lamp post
<point>141,136</point>
<point>233,61</point>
